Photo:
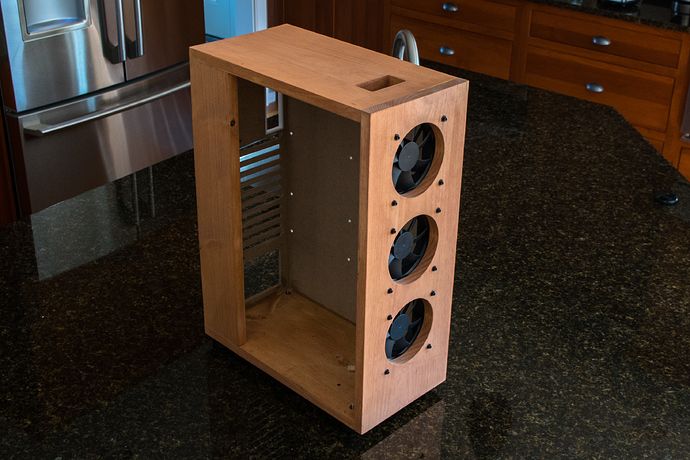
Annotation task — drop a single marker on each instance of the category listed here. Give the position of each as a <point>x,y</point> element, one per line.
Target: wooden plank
<point>219,206</point>
<point>380,394</point>
<point>306,347</point>
<point>310,67</point>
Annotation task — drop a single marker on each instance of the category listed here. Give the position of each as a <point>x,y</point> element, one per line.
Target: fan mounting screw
<point>387,371</point>
<point>390,290</point>
<point>350,158</point>
<point>396,137</point>
<point>433,293</point>
<point>440,182</point>
<point>393,232</point>
<point>444,118</point>
<point>389,317</point>
<point>232,122</point>
<point>434,268</point>
<point>291,133</point>
<point>438,210</point>
<point>394,203</point>
<point>352,406</point>
<point>292,230</point>
<point>428,347</point>
<point>348,259</point>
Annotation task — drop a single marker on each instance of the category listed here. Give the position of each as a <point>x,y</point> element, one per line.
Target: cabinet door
<point>316,15</point>
<point>684,164</point>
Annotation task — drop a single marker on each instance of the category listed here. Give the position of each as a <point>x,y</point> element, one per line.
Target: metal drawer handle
<point>600,40</point>
<point>594,88</point>
<point>446,51</point>
<point>450,7</point>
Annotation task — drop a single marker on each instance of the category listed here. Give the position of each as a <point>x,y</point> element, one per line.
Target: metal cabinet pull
<point>121,40</point>
<point>139,29</point>
<point>446,51</point>
<point>594,88</point>
<point>450,7</point>
<point>600,40</point>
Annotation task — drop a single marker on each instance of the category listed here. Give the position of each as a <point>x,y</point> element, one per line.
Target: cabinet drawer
<point>684,164</point>
<point>492,15</point>
<point>606,38</point>
<point>467,50</point>
<point>642,98</point>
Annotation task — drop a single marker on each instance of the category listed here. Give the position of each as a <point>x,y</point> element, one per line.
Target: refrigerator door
<point>159,33</point>
<point>58,50</point>
<point>65,150</point>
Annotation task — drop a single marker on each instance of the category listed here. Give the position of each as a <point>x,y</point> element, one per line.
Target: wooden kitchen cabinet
<point>684,162</point>
<point>354,21</point>
<point>641,71</point>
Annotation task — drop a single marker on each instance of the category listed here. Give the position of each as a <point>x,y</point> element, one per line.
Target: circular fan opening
<point>412,249</point>
<point>417,159</point>
<point>408,330</point>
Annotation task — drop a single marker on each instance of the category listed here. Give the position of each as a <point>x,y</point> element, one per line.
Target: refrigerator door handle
<point>135,48</point>
<point>40,129</point>
<point>120,18</point>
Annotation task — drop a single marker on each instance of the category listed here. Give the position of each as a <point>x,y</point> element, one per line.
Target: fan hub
<point>403,245</point>
<point>409,156</point>
<point>399,327</point>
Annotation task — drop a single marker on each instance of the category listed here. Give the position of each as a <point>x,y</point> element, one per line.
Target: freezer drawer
<point>64,151</point>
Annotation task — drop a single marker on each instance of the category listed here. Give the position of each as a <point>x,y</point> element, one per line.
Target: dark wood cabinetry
<point>355,21</point>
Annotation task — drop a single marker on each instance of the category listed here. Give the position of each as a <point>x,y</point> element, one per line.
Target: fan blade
<point>413,226</point>
<point>405,182</point>
<point>395,268</point>
<point>421,235</point>
<point>408,309</point>
<point>412,135</point>
<point>414,324</point>
<point>396,174</point>
<point>402,343</point>
<point>419,132</point>
<point>421,165</point>
<point>426,138</point>
<point>389,347</point>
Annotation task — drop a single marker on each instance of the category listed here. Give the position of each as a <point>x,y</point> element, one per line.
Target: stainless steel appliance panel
<point>74,147</point>
<point>159,33</point>
<point>59,50</point>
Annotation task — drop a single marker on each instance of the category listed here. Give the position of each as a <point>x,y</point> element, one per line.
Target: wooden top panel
<point>322,71</point>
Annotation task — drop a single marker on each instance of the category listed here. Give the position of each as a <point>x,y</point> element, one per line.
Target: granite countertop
<point>657,13</point>
<point>570,331</point>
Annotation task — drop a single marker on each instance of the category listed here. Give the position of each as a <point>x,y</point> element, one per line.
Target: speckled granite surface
<point>657,13</point>
<point>570,333</point>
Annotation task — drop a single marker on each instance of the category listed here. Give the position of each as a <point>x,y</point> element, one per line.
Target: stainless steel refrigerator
<point>94,90</point>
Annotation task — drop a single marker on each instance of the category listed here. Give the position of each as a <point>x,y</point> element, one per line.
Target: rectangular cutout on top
<point>380,83</point>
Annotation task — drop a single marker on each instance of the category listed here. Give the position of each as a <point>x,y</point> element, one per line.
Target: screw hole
<point>390,290</point>
<point>389,317</point>
<point>428,347</point>
<point>434,268</point>
<point>444,118</point>
<point>393,232</point>
<point>387,371</point>
<point>440,182</point>
<point>433,293</point>
<point>232,122</point>
<point>394,203</point>
<point>438,210</point>
<point>396,137</point>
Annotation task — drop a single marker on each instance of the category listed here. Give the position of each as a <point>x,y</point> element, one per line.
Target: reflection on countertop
<point>570,332</point>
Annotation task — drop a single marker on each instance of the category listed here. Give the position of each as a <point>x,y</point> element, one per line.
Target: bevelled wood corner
<point>328,249</point>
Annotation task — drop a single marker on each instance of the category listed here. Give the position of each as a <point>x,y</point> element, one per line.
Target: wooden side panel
<point>381,394</point>
<point>217,164</point>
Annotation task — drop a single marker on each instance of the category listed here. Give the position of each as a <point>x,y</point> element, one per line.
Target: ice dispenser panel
<point>45,16</point>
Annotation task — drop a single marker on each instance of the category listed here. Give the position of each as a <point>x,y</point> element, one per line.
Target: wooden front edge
<point>379,394</point>
<point>219,202</point>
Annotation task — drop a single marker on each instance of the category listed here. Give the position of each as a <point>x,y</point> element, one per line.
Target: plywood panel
<point>383,394</point>
<point>319,70</point>
<point>321,161</point>
<point>219,206</point>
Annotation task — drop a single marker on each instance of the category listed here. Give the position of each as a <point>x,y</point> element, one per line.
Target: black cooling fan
<point>405,329</point>
<point>413,158</point>
<point>408,247</point>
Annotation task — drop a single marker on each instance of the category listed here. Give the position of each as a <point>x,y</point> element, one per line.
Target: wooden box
<point>348,219</point>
